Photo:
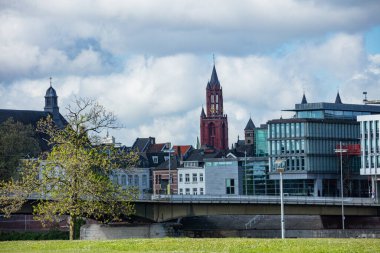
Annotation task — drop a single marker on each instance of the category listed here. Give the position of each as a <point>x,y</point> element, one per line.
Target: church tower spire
<point>304,101</point>
<point>51,100</point>
<point>337,99</point>
<point>214,125</point>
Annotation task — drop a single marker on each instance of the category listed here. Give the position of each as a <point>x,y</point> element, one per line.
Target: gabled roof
<point>174,164</point>
<point>183,149</point>
<point>199,155</point>
<point>155,148</point>
<point>142,144</point>
<point>337,99</point>
<point>230,155</point>
<point>250,125</point>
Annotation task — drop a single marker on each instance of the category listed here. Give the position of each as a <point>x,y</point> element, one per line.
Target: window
<point>155,159</point>
<point>115,179</point>
<point>195,177</point>
<point>187,178</point>
<point>230,186</point>
<point>187,191</point>
<point>201,191</point>
<point>195,191</point>
<point>136,180</point>
<point>144,180</point>
<point>212,98</point>
<point>180,191</point>
<point>216,98</point>
<point>180,177</point>
<point>123,179</point>
<point>200,177</point>
<point>130,180</point>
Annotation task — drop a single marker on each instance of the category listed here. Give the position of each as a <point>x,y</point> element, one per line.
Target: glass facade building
<point>261,144</point>
<point>308,141</point>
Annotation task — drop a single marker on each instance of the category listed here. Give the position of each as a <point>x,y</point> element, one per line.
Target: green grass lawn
<point>197,245</point>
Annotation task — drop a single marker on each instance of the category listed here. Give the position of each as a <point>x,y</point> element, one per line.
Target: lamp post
<point>374,178</point>
<point>280,169</point>
<point>245,172</point>
<point>341,151</point>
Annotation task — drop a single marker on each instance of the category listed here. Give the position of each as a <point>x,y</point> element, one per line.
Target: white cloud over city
<point>149,61</point>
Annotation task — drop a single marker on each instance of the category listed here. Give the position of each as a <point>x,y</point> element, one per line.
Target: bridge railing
<point>259,199</point>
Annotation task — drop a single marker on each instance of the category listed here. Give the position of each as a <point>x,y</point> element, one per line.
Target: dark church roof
<point>214,81</point>
<point>23,116</point>
<point>250,125</point>
<point>31,118</point>
<point>337,99</point>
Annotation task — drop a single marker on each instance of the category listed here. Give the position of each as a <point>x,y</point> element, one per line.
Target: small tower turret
<point>249,132</point>
<point>51,100</point>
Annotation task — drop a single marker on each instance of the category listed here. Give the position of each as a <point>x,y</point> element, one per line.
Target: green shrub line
<point>31,236</point>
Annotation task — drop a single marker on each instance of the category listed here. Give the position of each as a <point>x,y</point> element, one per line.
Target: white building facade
<point>370,149</point>
<point>191,179</point>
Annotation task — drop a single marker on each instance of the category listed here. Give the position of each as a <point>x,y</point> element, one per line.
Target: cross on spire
<point>50,80</point>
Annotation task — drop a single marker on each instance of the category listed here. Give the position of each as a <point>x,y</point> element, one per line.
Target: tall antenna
<point>50,80</point>
<point>213,58</point>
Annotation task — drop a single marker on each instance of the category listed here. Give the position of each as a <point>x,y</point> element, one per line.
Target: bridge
<point>160,208</point>
<point>164,207</point>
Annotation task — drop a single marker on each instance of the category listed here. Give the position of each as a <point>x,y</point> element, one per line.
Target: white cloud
<point>149,62</point>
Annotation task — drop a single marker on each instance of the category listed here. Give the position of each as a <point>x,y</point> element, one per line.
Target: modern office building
<point>370,150</point>
<point>224,175</point>
<point>308,142</point>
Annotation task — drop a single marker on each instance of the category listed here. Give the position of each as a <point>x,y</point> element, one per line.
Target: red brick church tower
<point>214,125</point>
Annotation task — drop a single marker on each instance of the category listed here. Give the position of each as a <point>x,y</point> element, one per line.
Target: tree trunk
<point>72,226</point>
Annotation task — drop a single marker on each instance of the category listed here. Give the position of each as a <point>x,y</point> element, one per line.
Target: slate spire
<point>250,125</point>
<point>337,99</point>
<point>304,101</point>
<point>203,114</point>
<point>214,81</point>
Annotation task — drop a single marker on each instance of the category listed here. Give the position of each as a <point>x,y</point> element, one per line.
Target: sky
<point>149,61</point>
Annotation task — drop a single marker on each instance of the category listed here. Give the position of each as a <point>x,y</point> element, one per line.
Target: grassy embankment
<point>196,245</point>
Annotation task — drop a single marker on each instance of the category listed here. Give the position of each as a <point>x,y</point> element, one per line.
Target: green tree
<point>17,141</point>
<point>73,178</point>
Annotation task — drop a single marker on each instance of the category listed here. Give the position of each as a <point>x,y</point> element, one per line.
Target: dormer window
<point>155,159</point>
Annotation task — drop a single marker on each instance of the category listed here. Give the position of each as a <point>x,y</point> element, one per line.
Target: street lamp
<point>245,172</point>
<point>341,151</point>
<point>280,169</point>
<point>374,178</point>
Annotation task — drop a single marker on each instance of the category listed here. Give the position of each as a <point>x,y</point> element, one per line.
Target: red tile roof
<point>183,149</point>
<point>155,148</point>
